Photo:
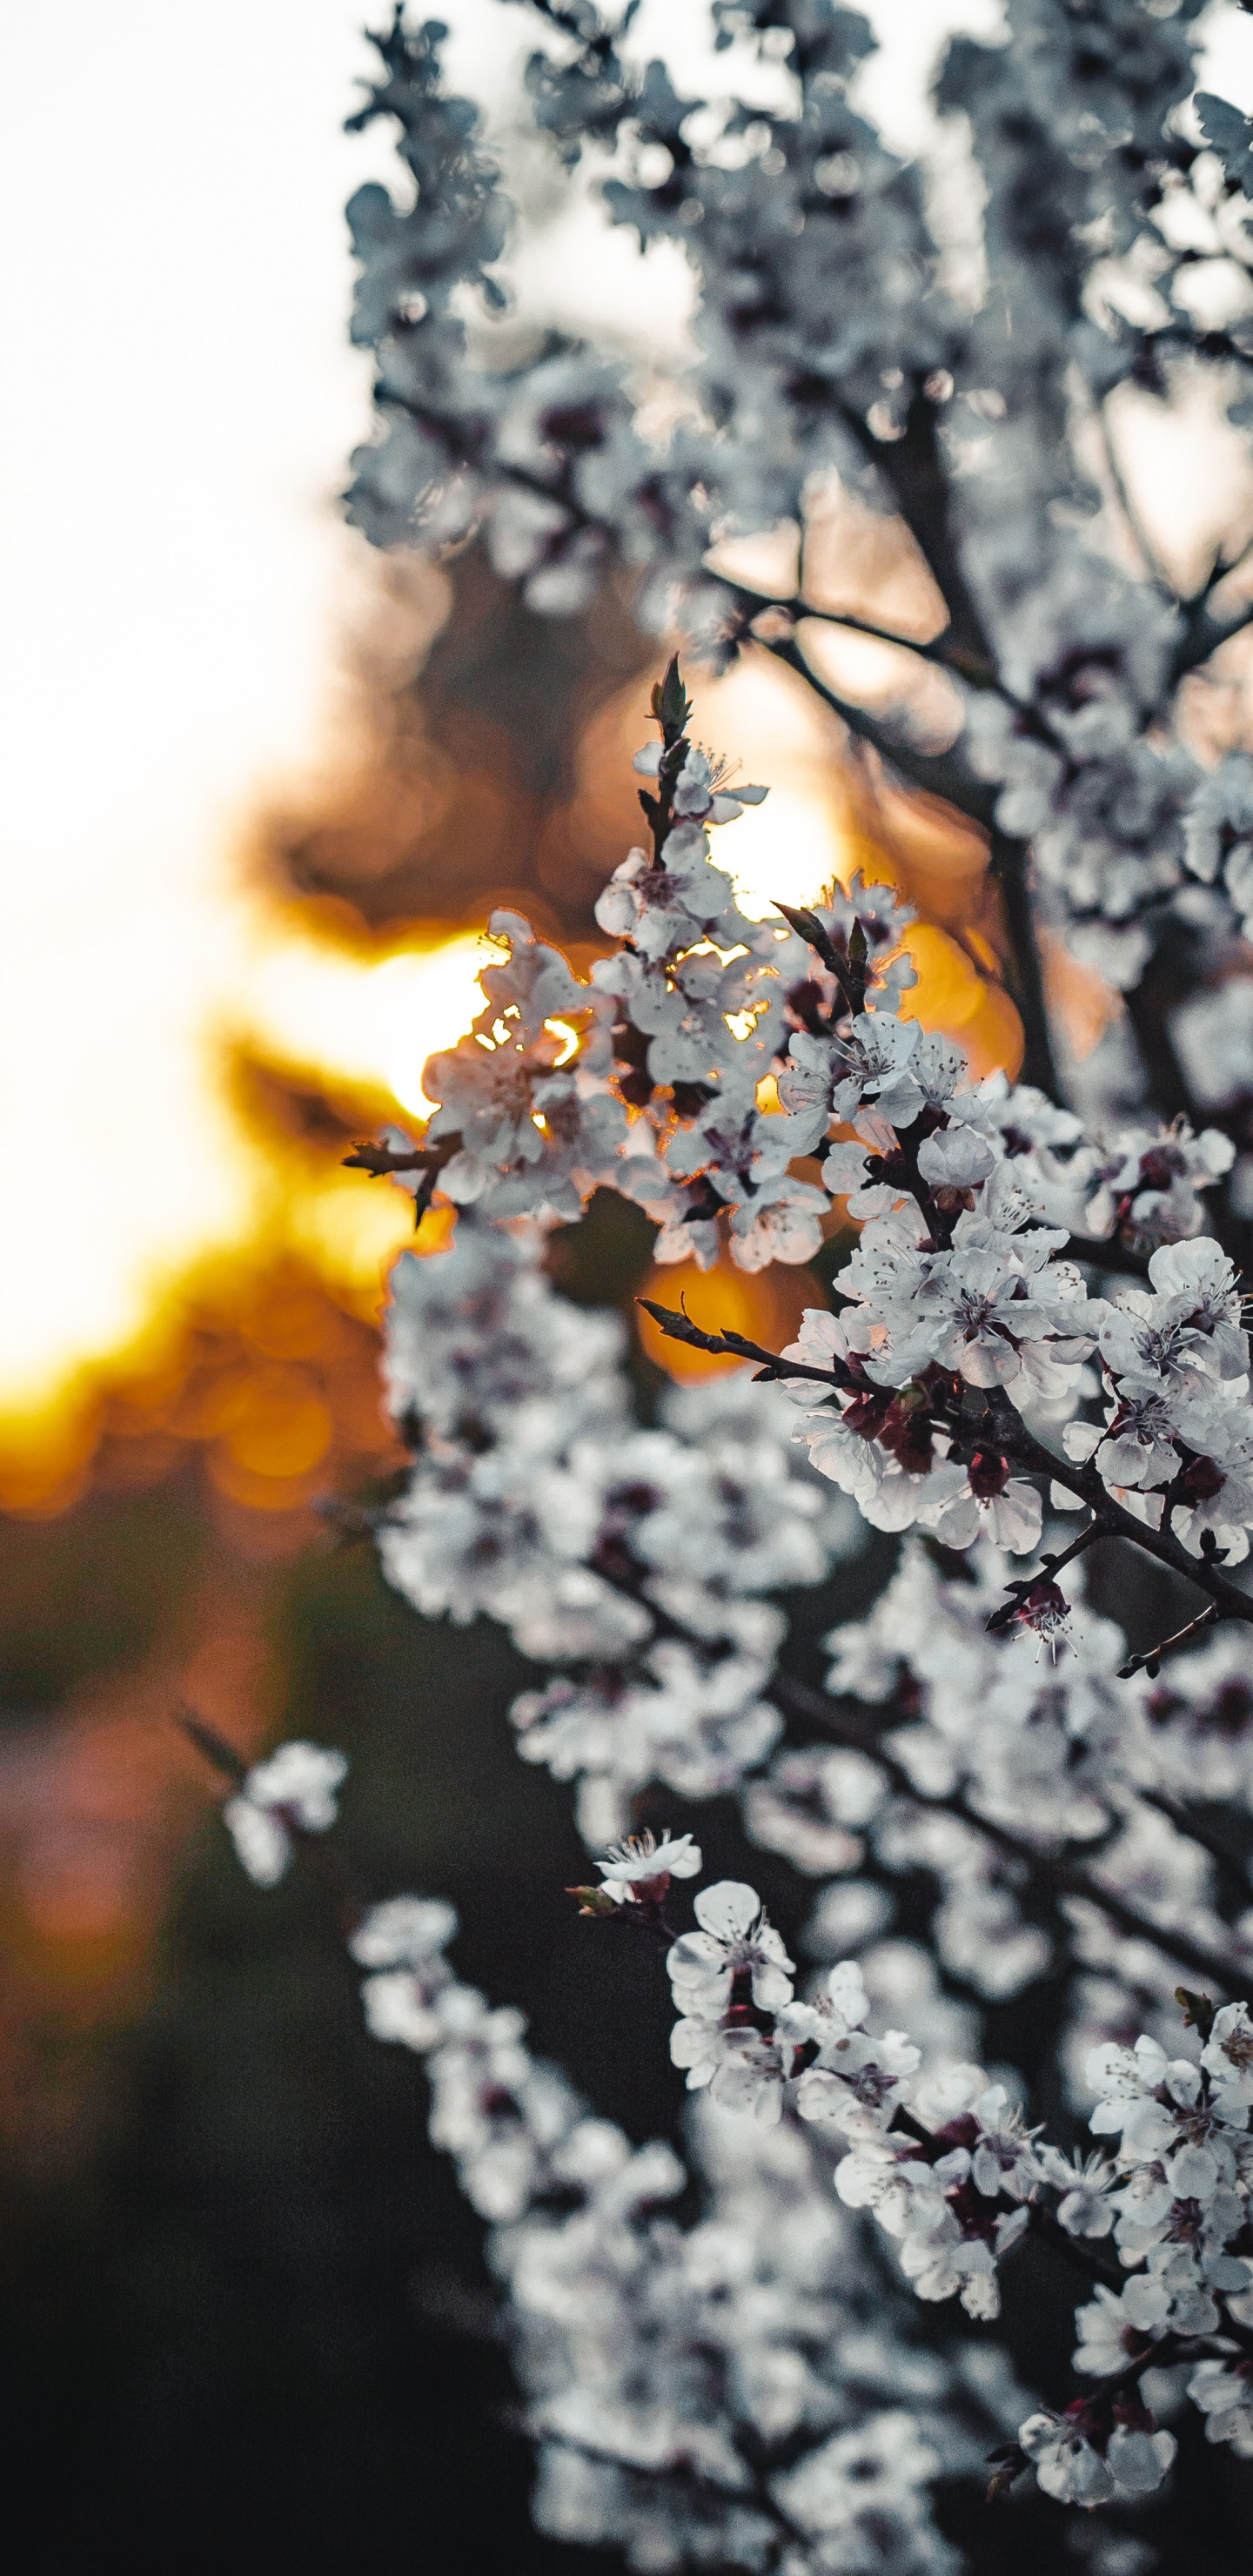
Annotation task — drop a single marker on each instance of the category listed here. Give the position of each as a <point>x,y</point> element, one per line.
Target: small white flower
<point>956,1158</point>
<point>641,1862</point>
<point>1139,2461</point>
<point>1069,2466</point>
<point>396,2008</point>
<point>403,1932</point>
<point>1085,2184</point>
<point>1228,2057</point>
<point>292,1792</point>
<point>1004,2158</point>
<point>1223,2390</point>
<point>734,1942</point>
<point>1065,2463</point>
<point>1113,2325</point>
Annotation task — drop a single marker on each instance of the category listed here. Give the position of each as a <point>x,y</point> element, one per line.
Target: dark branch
<point>678,1327</point>
<point>1050,1566</point>
<point>213,1746</point>
<point>1151,1663</point>
<point>937,773</point>
<point>1202,632</point>
<point>1061,1877</point>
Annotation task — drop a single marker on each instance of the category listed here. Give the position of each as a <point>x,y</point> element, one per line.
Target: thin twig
<point>1151,1661</point>
<point>1050,1566</point>
<point>677,1325</point>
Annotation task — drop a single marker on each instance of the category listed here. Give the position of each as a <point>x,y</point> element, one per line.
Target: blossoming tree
<point>1033,1349</point>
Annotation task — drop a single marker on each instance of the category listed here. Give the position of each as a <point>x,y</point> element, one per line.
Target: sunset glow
<point>186,598</point>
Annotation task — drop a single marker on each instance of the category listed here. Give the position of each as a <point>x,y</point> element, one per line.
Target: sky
<point>180,402</point>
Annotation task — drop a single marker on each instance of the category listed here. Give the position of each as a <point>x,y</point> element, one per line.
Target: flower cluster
<point>951,365</point>
<point>700,2393</point>
<point>954,2176</point>
<point>959,1319</point>
<point>533,1498</point>
<point>649,2402</point>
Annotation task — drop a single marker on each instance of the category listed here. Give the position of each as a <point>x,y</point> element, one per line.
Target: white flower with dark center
<point>977,1314</point>
<point>879,1054</point>
<point>851,2078</point>
<point>291,1793</point>
<point>1223,2390</point>
<point>639,1870</point>
<point>1065,2462</point>
<point>886,2174</point>
<point>742,2067</point>
<point>1228,2059</point>
<point>736,1955</point>
<point>1188,1328</point>
<point>942,2260</point>
<point>807,1079</point>
<point>750,2075</point>
<point>1069,2466</point>
<point>1138,1446</point>
<point>1085,2183</point>
<point>1115,2326</point>
<point>984,1501</point>
<point>1004,2158</point>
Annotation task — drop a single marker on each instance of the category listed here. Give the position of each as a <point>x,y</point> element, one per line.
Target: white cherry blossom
<point>634,1870</point>
<point>292,1792</point>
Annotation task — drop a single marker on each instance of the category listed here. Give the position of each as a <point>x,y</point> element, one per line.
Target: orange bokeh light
<point>765,1305</point>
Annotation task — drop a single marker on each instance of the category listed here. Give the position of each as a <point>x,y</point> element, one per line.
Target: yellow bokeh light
<point>320,1008</point>
<point>138,1167</point>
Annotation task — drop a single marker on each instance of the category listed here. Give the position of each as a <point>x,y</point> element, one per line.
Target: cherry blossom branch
<point>1027,1451</point>
<point>1202,633</point>
<point>677,1325</point>
<point>1042,2222</point>
<point>1050,1875</point>
<point>1055,1876</point>
<point>1194,1827</point>
<point>1010,864</point>
<point>938,773</point>
<point>1094,2414</point>
<point>324,1865</point>
<point>215,1748</point>
<point>1013,1437</point>
<point>671,707</point>
<point>944,774</point>
<point>975,667</point>
<point>597,1905</point>
<point>1050,1565</point>
<point>385,1162</point>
